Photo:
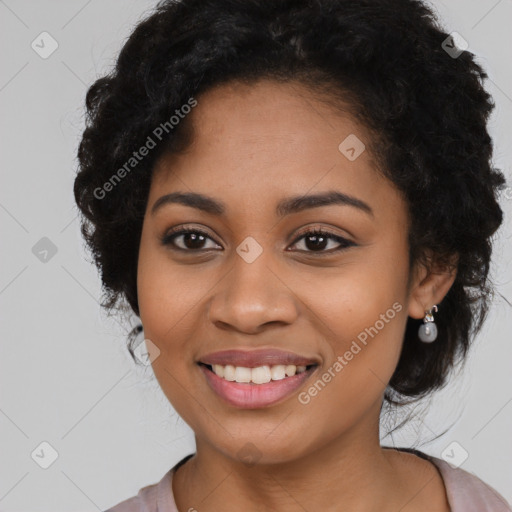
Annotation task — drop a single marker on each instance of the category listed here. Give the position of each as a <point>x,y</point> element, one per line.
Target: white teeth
<point>218,369</point>
<point>259,375</point>
<point>290,370</point>
<point>229,372</point>
<point>242,374</point>
<point>278,372</point>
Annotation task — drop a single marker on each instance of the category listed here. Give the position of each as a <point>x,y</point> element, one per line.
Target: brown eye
<point>318,240</point>
<point>189,240</point>
<point>314,241</point>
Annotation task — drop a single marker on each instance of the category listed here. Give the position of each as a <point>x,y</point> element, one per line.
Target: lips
<point>255,396</point>
<point>256,358</point>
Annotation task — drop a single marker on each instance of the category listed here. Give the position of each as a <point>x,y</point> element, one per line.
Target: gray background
<point>66,377</point>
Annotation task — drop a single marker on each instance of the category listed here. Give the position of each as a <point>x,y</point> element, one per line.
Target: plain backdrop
<point>67,380</point>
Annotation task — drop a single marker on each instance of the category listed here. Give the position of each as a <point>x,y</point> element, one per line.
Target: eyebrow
<point>285,207</point>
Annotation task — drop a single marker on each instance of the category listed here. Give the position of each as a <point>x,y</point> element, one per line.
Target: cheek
<point>360,309</point>
<point>166,302</point>
<point>350,384</point>
<point>167,292</point>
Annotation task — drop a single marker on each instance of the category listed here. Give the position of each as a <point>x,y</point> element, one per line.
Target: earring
<point>428,330</point>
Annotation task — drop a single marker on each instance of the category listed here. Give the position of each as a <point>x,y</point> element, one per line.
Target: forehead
<point>254,144</point>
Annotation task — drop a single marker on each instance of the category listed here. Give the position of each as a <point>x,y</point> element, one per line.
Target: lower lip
<point>254,396</point>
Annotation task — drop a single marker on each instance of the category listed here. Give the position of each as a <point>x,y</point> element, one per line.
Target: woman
<point>296,198</point>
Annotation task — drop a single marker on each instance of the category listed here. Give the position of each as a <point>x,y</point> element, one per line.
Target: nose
<point>252,296</point>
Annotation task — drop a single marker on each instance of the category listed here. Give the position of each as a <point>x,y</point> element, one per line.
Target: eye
<point>191,239</point>
<point>194,239</point>
<point>317,240</point>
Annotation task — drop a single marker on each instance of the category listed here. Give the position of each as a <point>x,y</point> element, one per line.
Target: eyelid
<point>316,227</point>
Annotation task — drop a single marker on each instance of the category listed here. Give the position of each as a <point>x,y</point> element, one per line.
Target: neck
<point>352,469</point>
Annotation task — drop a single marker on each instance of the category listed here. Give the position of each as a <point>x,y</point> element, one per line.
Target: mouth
<point>256,376</point>
<point>253,388</point>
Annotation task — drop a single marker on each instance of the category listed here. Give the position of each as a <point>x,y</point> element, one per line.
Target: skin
<point>254,146</point>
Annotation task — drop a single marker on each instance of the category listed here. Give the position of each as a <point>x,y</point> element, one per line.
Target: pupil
<point>319,242</point>
<point>194,238</point>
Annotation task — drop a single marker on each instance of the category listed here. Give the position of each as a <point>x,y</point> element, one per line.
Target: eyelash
<point>169,237</point>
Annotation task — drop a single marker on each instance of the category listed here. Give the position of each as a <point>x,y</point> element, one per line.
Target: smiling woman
<point>311,240</point>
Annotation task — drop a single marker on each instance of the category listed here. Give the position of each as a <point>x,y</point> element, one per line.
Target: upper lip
<point>255,358</point>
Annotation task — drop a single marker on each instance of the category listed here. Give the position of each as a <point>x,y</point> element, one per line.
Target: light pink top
<point>465,491</point>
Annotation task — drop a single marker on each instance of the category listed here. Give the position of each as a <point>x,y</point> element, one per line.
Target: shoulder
<point>157,497</point>
<point>146,500</point>
<point>468,493</point>
<point>464,491</point>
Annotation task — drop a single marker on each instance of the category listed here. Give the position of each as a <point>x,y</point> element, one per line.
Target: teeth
<point>219,370</point>
<point>259,375</point>
<point>229,372</point>
<point>278,372</point>
<point>242,374</point>
<point>290,370</point>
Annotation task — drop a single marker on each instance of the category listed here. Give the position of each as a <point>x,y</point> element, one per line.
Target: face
<point>250,274</point>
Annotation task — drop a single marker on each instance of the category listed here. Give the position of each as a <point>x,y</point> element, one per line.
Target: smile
<point>251,388</point>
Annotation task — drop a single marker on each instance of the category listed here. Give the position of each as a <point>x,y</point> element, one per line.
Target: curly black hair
<point>388,60</point>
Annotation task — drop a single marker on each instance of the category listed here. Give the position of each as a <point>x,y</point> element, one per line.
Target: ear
<point>430,283</point>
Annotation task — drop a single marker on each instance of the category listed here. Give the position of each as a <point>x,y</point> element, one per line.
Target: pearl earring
<point>428,330</point>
